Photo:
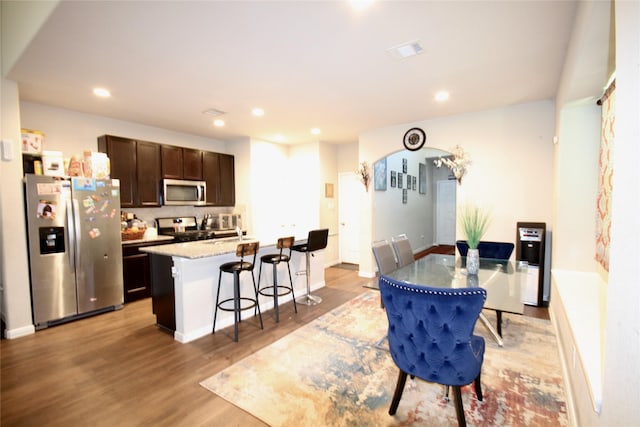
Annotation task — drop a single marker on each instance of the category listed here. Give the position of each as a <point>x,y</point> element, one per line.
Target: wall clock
<point>414,139</point>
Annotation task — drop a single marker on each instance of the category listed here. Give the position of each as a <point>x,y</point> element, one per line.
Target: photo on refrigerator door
<point>46,209</point>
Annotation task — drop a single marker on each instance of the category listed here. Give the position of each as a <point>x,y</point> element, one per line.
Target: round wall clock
<point>414,139</point>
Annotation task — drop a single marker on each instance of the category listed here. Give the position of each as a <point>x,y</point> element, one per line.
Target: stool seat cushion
<point>230,267</point>
<point>274,258</point>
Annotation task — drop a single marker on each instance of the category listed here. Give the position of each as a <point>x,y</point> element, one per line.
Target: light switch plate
<point>7,149</point>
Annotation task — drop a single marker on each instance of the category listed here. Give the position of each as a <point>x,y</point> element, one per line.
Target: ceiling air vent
<point>406,50</point>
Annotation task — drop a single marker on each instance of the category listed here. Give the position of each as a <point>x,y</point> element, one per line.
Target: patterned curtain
<point>605,180</point>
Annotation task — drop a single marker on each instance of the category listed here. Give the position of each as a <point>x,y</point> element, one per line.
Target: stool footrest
<point>269,290</point>
<point>252,304</point>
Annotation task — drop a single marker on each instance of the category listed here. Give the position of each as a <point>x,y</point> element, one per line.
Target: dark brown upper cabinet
<point>181,163</point>
<point>137,165</point>
<point>171,162</point>
<point>192,164</point>
<point>218,170</point>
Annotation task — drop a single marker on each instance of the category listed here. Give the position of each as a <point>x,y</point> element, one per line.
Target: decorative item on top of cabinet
<point>137,165</point>
<point>219,173</point>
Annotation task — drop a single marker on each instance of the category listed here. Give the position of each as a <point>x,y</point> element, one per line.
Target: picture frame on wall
<point>414,181</point>
<point>408,182</point>
<point>399,180</point>
<point>393,179</point>
<point>422,178</point>
<point>404,196</point>
<point>380,175</point>
<point>404,165</point>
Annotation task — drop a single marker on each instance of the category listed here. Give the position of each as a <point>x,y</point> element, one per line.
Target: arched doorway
<point>389,215</point>
<point>407,204</point>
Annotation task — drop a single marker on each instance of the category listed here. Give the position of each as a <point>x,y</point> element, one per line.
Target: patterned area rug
<point>330,372</point>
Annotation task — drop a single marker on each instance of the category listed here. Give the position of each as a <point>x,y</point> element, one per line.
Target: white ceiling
<point>307,64</point>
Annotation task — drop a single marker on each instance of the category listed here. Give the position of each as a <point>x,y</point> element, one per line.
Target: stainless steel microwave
<point>183,192</point>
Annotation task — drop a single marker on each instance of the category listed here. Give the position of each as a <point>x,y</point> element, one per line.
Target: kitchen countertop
<point>199,248</point>
<point>148,240</point>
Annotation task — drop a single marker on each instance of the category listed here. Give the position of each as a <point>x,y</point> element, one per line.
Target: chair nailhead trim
<point>430,290</point>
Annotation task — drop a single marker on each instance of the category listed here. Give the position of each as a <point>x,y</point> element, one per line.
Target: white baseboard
<point>19,332</point>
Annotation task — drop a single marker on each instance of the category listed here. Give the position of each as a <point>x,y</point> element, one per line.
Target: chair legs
<point>237,303</point>
<point>457,400</point>
<point>457,397</point>
<point>309,299</point>
<point>397,395</point>
<point>275,293</point>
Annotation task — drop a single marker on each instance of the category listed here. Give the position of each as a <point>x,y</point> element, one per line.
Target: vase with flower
<point>474,224</point>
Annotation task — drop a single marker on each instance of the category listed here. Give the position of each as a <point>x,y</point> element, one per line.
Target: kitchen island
<point>184,279</point>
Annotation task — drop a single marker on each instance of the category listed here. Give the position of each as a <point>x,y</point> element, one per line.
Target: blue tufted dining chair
<point>431,336</point>
<point>486,249</point>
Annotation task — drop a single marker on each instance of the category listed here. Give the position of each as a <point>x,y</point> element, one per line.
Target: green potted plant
<point>474,224</point>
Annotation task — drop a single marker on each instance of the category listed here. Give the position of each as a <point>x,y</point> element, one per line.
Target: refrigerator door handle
<point>76,227</point>
<point>71,236</point>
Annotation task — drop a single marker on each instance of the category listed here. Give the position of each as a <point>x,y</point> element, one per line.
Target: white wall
<point>576,187</point>
<point>328,159</point>
<point>270,199</point>
<point>72,132</point>
<point>575,208</point>
<point>511,174</point>
<point>392,217</point>
<point>15,291</point>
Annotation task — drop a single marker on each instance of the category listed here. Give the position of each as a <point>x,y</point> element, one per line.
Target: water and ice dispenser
<point>51,240</point>
<point>530,247</point>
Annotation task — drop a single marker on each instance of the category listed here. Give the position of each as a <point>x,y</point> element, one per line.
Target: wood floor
<point>119,369</point>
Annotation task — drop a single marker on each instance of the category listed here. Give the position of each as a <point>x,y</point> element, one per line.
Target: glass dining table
<point>503,280</point>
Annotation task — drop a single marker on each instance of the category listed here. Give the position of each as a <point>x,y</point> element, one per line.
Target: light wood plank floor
<point>119,369</point>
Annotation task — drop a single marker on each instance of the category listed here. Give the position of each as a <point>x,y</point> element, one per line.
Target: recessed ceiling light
<point>406,50</point>
<point>279,138</point>
<point>101,92</point>
<point>315,131</point>
<point>213,112</point>
<point>218,122</point>
<point>258,112</point>
<point>441,96</point>
<point>360,4</point>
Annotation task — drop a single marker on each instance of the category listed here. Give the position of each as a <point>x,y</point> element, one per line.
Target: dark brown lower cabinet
<point>136,271</point>
<point>163,293</point>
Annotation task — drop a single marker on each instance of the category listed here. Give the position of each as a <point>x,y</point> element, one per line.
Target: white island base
<point>185,282</point>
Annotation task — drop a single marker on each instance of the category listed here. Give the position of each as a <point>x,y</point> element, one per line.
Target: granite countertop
<point>199,248</point>
<point>155,239</point>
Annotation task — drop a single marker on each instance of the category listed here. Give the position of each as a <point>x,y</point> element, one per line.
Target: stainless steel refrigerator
<point>75,255</point>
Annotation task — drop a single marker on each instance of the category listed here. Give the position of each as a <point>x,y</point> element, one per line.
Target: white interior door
<point>446,212</point>
<point>350,192</point>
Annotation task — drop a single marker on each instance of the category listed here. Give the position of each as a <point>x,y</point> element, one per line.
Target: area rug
<point>331,373</point>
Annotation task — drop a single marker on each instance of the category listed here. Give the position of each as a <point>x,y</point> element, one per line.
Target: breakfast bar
<point>184,279</point>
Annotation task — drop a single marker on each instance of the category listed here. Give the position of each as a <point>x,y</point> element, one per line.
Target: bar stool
<point>236,267</point>
<point>277,290</point>
<point>316,241</point>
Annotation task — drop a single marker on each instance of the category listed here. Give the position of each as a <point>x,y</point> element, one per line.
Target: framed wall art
<point>422,178</point>
<point>380,175</point>
<point>394,179</point>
